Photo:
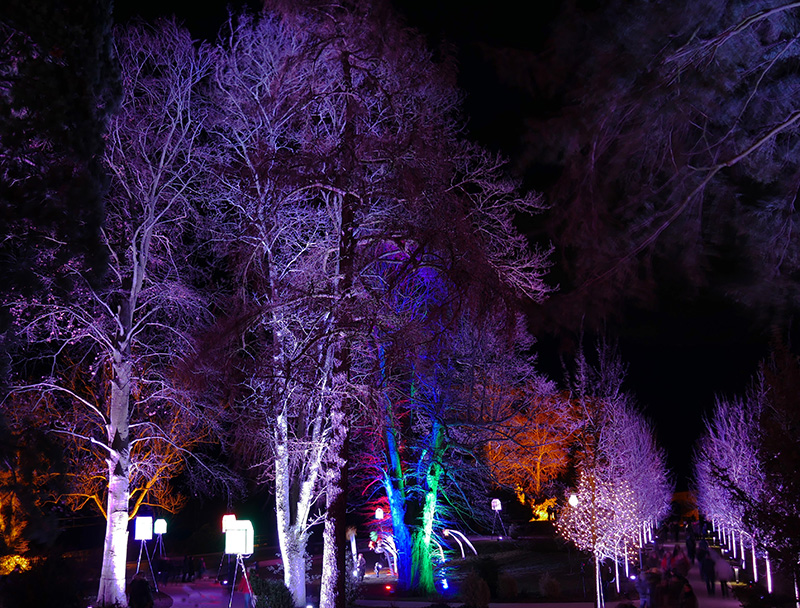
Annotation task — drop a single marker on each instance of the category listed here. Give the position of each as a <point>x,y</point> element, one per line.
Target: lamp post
<point>497,506</point>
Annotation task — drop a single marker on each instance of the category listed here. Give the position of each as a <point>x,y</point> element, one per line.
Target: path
<point>203,593</point>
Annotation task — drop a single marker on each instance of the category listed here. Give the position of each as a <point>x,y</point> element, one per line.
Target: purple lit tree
<point>622,480</point>
<point>726,463</point>
<point>746,463</point>
<point>344,180</point>
<point>125,338</point>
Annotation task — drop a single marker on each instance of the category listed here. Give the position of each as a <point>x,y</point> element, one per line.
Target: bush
<point>487,569</point>
<point>475,591</point>
<point>51,581</point>
<point>507,587</point>
<point>549,586</point>
<point>271,593</point>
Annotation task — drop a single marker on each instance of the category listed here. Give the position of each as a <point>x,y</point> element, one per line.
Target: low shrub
<point>549,586</point>
<point>475,591</point>
<point>271,593</point>
<point>507,587</point>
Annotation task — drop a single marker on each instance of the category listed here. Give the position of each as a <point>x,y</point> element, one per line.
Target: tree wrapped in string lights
<point>622,482</point>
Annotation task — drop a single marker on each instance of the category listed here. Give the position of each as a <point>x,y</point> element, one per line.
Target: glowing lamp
<point>239,538</point>
<point>573,500</point>
<point>496,506</point>
<point>227,520</point>
<point>160,526</point>
<point>444,584</point>
<point>378,513</point>
<point>143,528</point>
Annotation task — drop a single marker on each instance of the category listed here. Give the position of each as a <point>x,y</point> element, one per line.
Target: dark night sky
<point>682,350</point>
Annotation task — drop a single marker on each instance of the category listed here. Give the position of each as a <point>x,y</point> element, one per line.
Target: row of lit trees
<point>285,209</point>
<point>746,468</point>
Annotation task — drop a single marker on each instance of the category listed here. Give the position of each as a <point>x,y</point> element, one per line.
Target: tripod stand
<point>143,547</point>
<point>497,518</point>
<point>239,562</point>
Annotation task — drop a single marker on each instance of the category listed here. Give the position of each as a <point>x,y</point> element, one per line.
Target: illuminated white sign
<point>378,513</point>
<point>227,520</point>
<point>160,526</point>
<point>239,537</point>
<point>143,529</point>
<point>496,506</point>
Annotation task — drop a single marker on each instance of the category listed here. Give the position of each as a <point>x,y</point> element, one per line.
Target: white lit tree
<point>344,175</point>
<point>727,462</point>
<point>622,480</point>
<point>125,338</point>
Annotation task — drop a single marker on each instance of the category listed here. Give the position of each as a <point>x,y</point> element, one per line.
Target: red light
<point>388,587</point>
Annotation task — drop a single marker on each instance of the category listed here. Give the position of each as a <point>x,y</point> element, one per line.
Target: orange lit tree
<point>31,470</point>
<point>535,435</point>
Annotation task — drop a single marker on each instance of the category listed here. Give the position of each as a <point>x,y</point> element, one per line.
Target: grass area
<point>541,570</point>
<point>537,566</point>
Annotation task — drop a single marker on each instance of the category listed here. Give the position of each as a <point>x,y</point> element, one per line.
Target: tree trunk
<point>115,546</point>
<point>402,537</point>
<point>292,537</point>
<point>334,569</point>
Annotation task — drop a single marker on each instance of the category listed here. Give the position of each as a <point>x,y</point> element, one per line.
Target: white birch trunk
<point>291,536</point>
<point>115,546</point>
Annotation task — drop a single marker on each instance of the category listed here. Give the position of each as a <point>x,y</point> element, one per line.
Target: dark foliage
<point>52,581</point>
<point>58,86</point>
<point>670,150</point>
<point>780,452</point>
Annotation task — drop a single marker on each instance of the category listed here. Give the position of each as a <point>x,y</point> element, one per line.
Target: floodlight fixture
<point>143,528</point>
<point>160,526</point>
<point>496,505</point>
<point>239,538</point>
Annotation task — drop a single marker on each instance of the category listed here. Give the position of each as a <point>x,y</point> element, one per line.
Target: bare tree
<point>345,176</point>
<point>532,447</point>
<point>746,463</point>
<point>127,335</point>
<point>622,479</point>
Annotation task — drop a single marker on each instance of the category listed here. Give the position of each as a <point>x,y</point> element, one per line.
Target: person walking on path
<point>707,573</point>
<point>724,573</point>
<point>691,545</point>
<point>139,595</point>
<point>687,598</point>
<point>702,550</point>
